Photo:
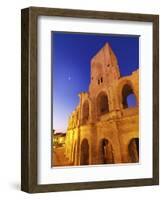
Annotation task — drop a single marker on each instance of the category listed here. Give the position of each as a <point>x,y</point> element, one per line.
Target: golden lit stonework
<point>103,129</point>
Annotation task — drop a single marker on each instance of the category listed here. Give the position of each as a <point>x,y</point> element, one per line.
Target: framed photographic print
<point>90,100</point>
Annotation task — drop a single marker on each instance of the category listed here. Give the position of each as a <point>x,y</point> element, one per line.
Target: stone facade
<point>103,129</point>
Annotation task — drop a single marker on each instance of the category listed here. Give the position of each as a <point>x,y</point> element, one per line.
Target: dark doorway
<point>106,152</point>
<point>84,156</point>
<point>85,112</point>
<point>103,106</point>
<point>74,153</point>
<point>134,150</point>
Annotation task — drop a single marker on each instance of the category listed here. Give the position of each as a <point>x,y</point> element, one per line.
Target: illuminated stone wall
<point>102,128</point>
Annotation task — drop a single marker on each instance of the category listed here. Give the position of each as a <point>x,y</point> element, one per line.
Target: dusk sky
<point>71,55</point>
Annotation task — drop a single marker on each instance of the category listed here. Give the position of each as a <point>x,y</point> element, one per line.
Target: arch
<point>128,96</point>
<point>131,100</point>
<point>85,111</point>
<point>84,154</point>
<point>102,103</point>
<point>74,153</point>
<point>133,149</point>
<point>106,152</point>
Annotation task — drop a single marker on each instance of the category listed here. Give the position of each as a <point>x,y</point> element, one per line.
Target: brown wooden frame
<point>29,99</point>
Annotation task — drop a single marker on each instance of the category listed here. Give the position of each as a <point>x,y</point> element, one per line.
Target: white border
<point>48,175</point>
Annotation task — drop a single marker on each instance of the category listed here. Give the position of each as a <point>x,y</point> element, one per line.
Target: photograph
<point>95,99</point>
<point>90,99</point>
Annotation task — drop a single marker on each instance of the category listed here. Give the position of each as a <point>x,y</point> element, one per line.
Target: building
<point>103,129</point>
<point>58,139</point>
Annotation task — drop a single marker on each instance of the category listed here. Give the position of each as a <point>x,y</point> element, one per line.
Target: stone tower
<point>104,69</point>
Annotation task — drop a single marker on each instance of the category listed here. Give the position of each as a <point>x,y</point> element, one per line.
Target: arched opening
<point>131,100</point>
<point>128,97</point>
<point>106,152</point>
<point>84,155</point>
<point>133,149</point>
<point>102,103</point>
<point>85,112</point>
<point>74,153</point>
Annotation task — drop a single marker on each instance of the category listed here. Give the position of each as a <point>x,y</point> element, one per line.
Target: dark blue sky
<point>71,55</point>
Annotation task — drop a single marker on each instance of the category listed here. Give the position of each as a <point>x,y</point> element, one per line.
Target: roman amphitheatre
<point>103,128</point>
